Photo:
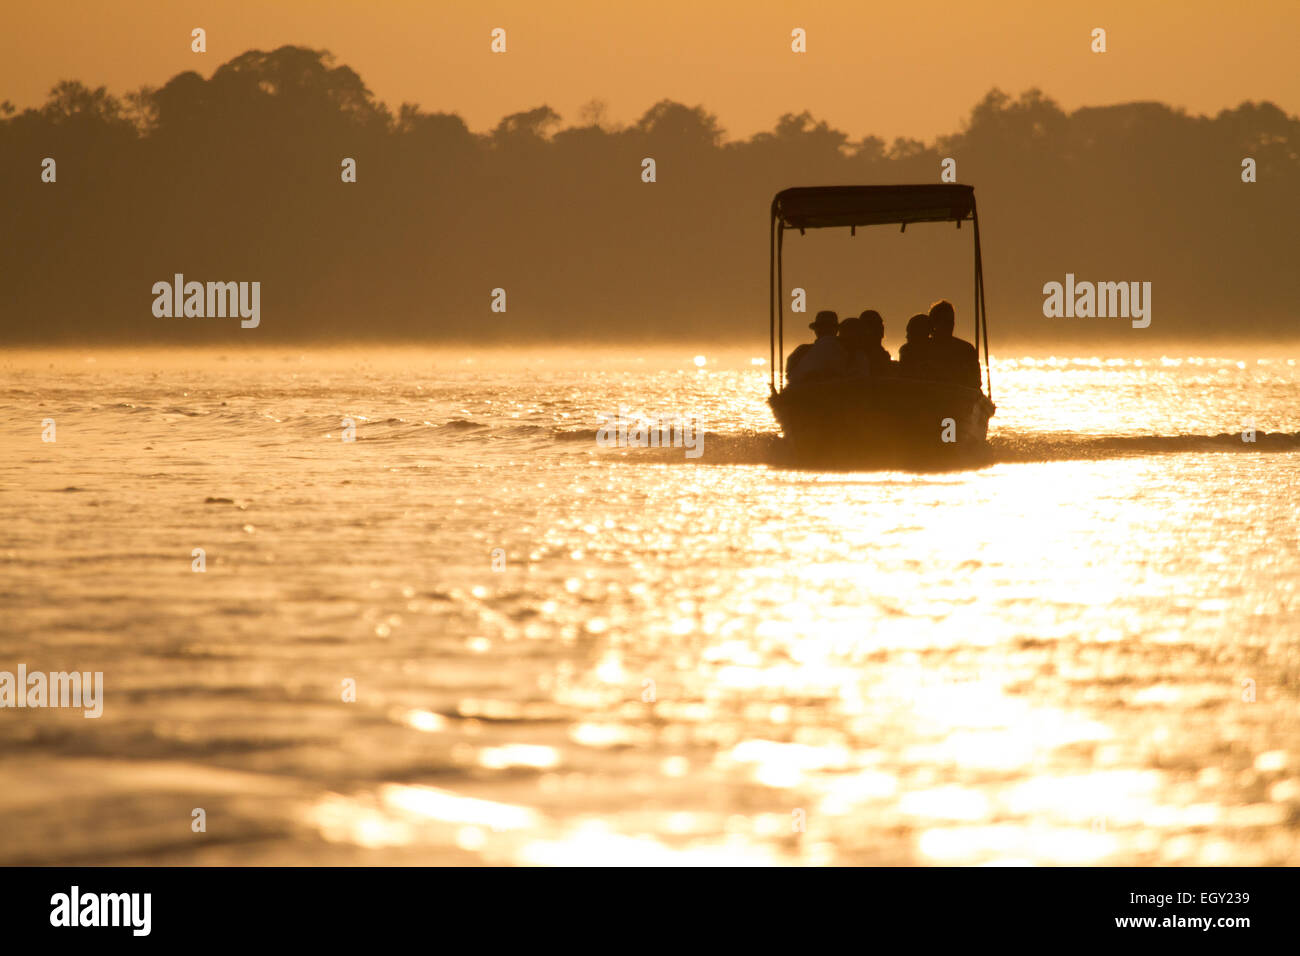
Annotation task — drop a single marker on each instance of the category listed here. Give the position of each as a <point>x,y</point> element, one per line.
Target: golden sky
<point>889,68</point>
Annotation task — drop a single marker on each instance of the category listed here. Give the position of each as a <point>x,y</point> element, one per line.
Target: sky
<point>880,68</point>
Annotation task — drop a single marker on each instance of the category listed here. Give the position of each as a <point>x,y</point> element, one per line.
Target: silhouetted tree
<point>237,177</point>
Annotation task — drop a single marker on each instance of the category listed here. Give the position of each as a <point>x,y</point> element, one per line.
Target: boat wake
<point>1013,447</point>
<point>754,447</point>
<point>769,448</point>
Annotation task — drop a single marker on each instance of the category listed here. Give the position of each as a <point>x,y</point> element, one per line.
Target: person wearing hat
<point>824,358</point>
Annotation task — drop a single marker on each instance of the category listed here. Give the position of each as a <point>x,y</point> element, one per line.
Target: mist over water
<point>1042,659</point>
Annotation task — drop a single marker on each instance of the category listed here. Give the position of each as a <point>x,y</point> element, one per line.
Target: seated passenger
<point>914,354</point>
<point>955,359</point>
<point>824,358</point>
<point>873,327</point>
<point>854,339</point>
<point>795,357</point>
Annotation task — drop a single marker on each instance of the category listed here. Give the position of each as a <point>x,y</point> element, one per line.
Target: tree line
<point>239,178</point>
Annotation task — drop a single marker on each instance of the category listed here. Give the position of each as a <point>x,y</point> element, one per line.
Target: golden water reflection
<point>853,706</point>
<point>1068,660</point>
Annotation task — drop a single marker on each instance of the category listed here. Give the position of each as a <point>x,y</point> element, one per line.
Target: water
<point>1084,652</point>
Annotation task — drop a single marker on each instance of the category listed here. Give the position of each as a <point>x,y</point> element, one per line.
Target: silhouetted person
<point>955,360</point>
<point>824,358</point>
<point>873,329</point>
<point>853,336</point>
<point>914,358</point>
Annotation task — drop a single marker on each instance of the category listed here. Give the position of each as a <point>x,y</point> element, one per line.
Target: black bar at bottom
<point>327,906</point>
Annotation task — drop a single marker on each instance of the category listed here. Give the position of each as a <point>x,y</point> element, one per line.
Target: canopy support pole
<point>780,301</point>
<point>981,307</point>
<point>771,304</point>
<point>975,292</point>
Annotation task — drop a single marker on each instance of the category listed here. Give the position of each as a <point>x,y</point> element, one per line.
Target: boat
<point>878,418</point>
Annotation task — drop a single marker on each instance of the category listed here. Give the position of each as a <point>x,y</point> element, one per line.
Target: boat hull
<point>884,419</point>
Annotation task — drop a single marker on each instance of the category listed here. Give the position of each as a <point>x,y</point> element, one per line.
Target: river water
<point>474,635</point>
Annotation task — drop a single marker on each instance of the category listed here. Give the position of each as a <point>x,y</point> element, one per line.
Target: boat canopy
<point>816,207</point>
<point>820,207</point>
